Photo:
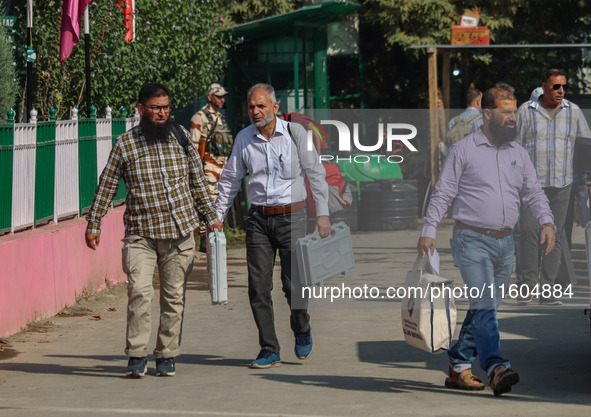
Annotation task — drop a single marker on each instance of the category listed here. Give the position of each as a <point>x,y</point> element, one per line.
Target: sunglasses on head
<point>557,86</point>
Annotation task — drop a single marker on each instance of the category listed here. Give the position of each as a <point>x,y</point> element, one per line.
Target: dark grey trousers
<point>530,248</point>
<point>265,236</point>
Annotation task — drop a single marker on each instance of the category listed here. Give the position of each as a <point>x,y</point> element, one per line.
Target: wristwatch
<point>552,225</point>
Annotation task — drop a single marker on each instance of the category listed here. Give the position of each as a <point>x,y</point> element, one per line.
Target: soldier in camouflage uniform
<point>211,135</point>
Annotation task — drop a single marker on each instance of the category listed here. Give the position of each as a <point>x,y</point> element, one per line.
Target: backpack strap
<point>180,136</point>
<point>290,134</point>
<point>459,119</point>
<point>473,117</point>
<point>294,142</point>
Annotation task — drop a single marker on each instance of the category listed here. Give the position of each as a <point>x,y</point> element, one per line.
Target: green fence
<point>6,158</point>
<point>118,127</point>
<point>37,177</point>
<point>44,171</point>
<point>87,165</point>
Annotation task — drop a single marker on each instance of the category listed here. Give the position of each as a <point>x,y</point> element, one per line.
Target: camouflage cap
<point>217,90</point>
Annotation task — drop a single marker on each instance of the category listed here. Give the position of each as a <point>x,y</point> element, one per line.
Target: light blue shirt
<point>466,114</point>
<point>276,169</point>
<point>486,185</point>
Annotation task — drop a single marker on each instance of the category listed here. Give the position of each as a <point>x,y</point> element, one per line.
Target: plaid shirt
<point>550,141</point>
<point>165,188</point>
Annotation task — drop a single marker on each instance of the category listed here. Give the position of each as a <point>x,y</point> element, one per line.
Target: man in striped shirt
<point>166,195</point>
<point>547,128</point>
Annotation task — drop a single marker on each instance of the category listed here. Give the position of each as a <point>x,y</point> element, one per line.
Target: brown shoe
<point>501,379</point>
<point>463,380</point>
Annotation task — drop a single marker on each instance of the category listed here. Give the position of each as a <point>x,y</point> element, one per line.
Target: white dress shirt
<point>276,169</point>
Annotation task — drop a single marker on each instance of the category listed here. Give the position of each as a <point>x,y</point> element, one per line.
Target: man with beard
<point>547,129</point>
<point>485,176</point>
<point>274,152</point>
<point>211,135</point>
<point>166,194</point>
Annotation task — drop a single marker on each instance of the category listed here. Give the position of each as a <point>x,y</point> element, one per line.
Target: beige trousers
<point>174,258</point>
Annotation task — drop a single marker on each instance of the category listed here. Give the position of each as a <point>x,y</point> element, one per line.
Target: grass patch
<point>234,239</point>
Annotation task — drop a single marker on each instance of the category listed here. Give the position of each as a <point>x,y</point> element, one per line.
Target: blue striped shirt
<point>550,141</point>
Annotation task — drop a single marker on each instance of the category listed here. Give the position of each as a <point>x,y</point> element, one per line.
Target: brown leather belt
<point>497,234</point>
<point>275,210</point>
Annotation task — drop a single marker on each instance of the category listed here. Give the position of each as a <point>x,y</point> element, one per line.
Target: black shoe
<point>165,367</point>
<point>136,367</point>
<point>550,301</point>
<point>303,344</point>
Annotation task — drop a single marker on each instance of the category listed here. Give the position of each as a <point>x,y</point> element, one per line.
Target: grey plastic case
<point>217,273</point>
<point>319,259</point>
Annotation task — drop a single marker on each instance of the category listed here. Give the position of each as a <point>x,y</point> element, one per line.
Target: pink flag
<point>72,11</point>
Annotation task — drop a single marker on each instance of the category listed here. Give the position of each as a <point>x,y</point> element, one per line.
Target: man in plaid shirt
<point>547,128</point>
<point>166,195</point>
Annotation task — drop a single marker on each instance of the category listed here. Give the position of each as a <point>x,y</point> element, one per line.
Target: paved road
<point>71,365</point>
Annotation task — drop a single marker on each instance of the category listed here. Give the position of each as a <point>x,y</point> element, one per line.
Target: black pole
<point>29,106</point>
<point>88,90</point>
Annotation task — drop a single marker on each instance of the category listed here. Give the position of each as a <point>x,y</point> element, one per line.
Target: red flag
<point>128,7</point>
<point>72,11</point>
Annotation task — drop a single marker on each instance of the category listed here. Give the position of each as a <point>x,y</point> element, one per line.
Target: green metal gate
<point>6,156</point>
<point>118,127</point>
<point>44,171</point>
<point>87,163</point>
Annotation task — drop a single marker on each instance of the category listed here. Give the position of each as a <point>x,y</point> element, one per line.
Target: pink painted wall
<point>43,270</point>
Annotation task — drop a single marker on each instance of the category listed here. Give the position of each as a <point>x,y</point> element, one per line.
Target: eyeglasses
<point>557,87</point>
<point>157,109</point>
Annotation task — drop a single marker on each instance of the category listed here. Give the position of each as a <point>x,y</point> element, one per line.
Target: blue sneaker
<point>266,359</point>
<point>165,367</point>
<point>136,367</point>
<point>303,344</point>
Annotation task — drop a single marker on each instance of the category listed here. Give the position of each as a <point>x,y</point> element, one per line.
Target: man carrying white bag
<point>428,310</point>
<point>486,176</point>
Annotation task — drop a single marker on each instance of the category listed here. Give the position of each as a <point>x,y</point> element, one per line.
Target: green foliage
<point>7,75</point>
<point>247,10</point>
<point>176,44</point>
<point>428,22</point>
<point>401,24</point>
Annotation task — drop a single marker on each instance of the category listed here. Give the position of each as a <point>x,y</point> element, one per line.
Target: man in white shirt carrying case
<point>276,156</point>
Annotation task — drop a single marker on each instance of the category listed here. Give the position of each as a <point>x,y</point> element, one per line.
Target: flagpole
<point>133,19</point>
<point>29,105</point>
<point>87,55</point>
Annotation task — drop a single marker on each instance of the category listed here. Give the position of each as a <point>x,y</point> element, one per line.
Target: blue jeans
<point>485,264</point>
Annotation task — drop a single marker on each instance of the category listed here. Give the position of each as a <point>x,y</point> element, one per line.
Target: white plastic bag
<point>428,310</point>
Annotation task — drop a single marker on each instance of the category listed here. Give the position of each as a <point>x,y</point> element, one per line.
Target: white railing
<point>66,198</point>
<point>103,143</point>
<point>66,184</point>
<point>23,176</point>
<point>132,121</point>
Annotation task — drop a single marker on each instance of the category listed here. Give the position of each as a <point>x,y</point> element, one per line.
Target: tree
<point>176,43</point>
<point>403,23</point>
<point>7,75</point>
<point>243,11</point>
